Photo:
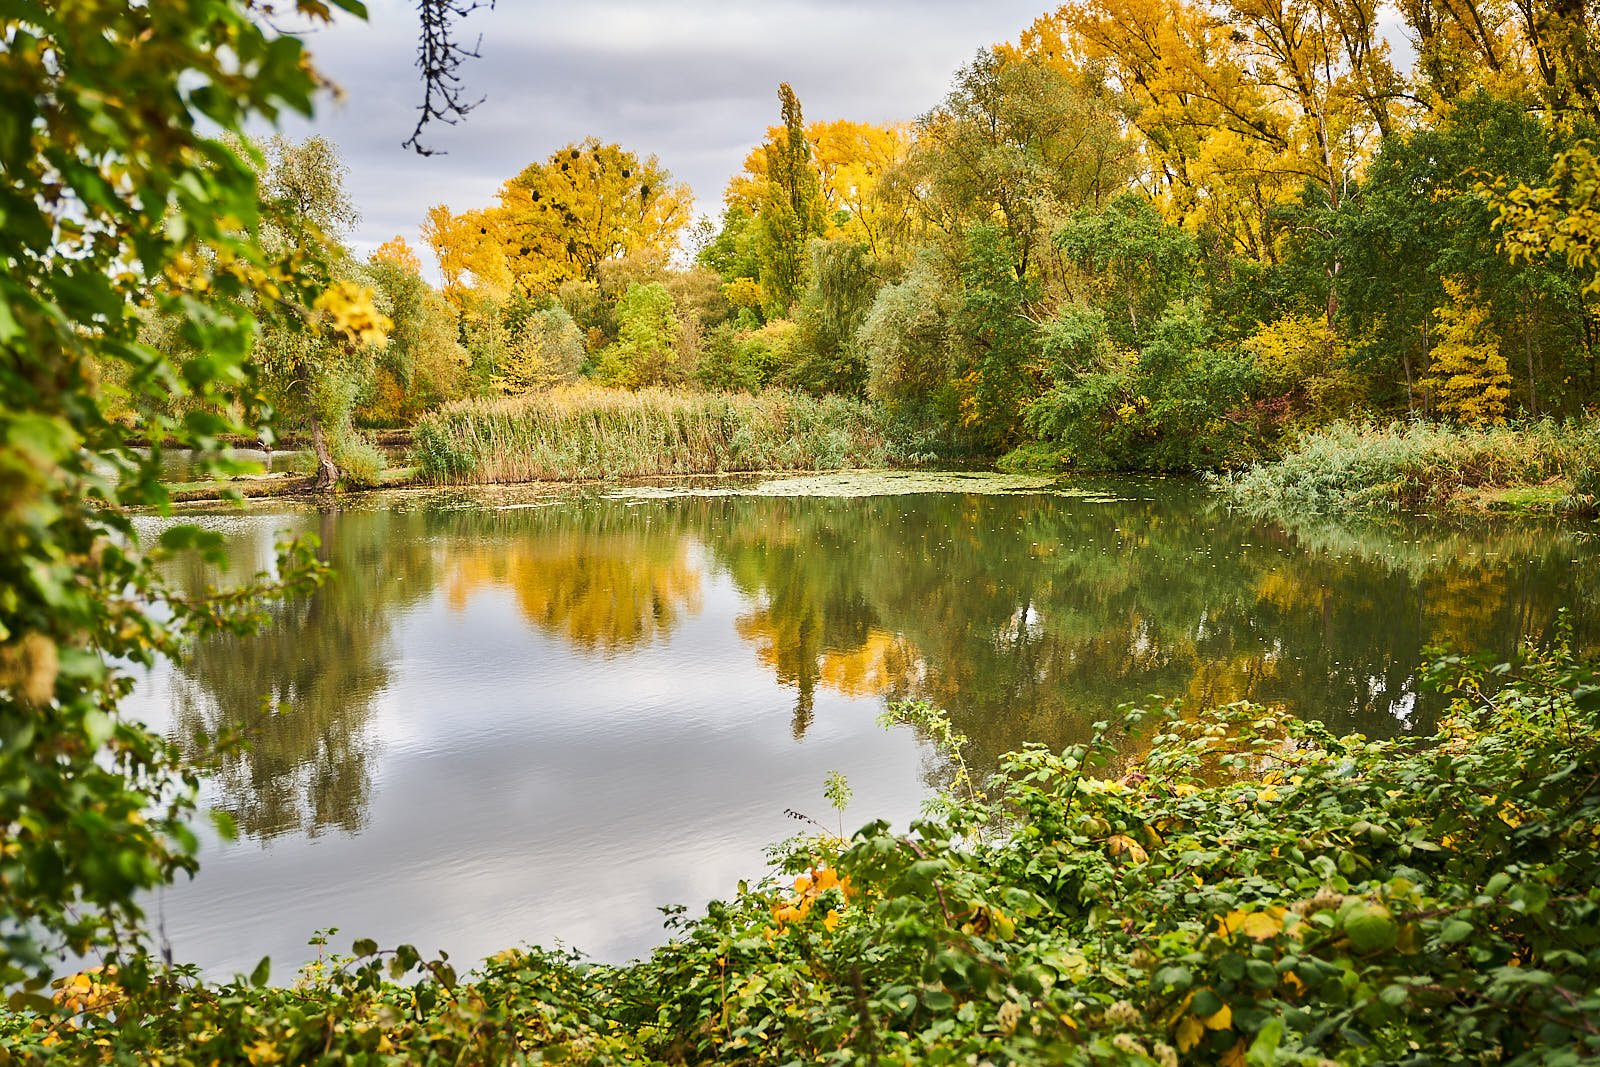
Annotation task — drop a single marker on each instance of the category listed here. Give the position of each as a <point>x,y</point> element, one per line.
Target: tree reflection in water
<point>300,694</point>
<point>1028,617</point>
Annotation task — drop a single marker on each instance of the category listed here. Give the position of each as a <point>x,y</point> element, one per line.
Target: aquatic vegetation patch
<point>867,483</point>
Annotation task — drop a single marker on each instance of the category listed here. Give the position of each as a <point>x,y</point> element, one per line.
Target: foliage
<point>790,212</point>
<point>560,219</point>
<point>1013,144</point>
<point>646,351</point>
<point>1134,262</point>
<point>547,350</point>
<point>998,336</point>
<point>423,363</point>
<point>1168,409</point>
<point>1252,890</point>
<point>1469,377</point>
<point>312,374</point>
<point>844,282</point>
<point>1351,467</point>
<point>907,336</point>
<point>120,205</point>
<point>1559,219</point>
<point>1299,357</point>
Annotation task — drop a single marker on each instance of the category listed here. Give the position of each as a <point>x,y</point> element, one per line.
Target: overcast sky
<point>692,81</point>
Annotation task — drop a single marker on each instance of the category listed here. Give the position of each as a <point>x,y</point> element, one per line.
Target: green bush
<point>361,463</point>
<point>1349,468</point>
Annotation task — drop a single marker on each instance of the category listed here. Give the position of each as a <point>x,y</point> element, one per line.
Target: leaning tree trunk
<point>327,470</point>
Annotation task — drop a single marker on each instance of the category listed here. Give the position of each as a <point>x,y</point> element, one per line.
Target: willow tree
<point>312,373</point>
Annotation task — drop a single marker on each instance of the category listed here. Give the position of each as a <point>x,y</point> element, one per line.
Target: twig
<point>439,57</point>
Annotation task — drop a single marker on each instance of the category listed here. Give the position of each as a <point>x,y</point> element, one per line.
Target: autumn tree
<point>315,375</point>
<point>560,219</point>
<point>646,350</point>
<point>1015,143</point>
<point>423,363</point>
<point>1238,105</point>
<point>545,349</point>
<point>1469,377</point>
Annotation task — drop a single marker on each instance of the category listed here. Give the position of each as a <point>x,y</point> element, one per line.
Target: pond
<point>536,715</point>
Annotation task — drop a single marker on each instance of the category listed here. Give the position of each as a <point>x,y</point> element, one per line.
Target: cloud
<point>692,83</point>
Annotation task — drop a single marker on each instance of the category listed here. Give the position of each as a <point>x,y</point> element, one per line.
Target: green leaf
<point>1455,931</point>
<point>263,971</point>
<point>1205,1003</point>
<point>364,946</point>
<point>1371,928</point>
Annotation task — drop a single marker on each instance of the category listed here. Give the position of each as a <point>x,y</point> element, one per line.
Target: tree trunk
<point>327,471</point>
<point>1527,347</point>
<point>1405,362</point>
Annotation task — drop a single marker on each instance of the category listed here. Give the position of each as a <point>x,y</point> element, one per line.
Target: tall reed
<point>1351,468</point>
<point>586,432</point>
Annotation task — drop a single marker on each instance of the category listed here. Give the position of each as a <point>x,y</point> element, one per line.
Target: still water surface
<point>532,715</point>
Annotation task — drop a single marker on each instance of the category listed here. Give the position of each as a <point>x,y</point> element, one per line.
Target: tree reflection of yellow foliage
<point>599,591</point>
<point>884,661</point>
<point>1289,591</point>
<point>879,662</point>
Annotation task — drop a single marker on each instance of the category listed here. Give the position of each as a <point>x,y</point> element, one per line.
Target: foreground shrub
<point>1250,891</point>
<point>1348,468</point>
<point>613,433</point>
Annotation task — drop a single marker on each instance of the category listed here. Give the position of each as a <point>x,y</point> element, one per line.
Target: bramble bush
<point>1250,890</point>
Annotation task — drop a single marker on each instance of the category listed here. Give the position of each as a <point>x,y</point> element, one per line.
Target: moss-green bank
<point>1538,466</point>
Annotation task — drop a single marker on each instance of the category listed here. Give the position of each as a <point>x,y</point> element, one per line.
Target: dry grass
<point>586,432</point>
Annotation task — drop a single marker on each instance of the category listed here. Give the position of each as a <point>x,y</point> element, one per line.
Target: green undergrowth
<point>1243,889</point>
<point>1538,466</point>
<point>586,432</point>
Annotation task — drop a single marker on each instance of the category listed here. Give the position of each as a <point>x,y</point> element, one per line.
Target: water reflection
<point>501,690</point>
<point>1028,617</point>
<point>299,695</point>
<point>600,578</point>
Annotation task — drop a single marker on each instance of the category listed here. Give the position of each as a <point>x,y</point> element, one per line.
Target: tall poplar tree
<point>791,210</point>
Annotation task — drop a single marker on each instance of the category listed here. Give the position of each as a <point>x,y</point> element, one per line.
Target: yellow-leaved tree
<point>1469,378</point>
<point>557,221</point>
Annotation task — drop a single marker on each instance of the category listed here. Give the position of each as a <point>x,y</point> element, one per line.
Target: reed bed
<point>586,432</point>
<point>1407,465</point>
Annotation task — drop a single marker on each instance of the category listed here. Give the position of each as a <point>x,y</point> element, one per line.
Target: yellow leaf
<point>831,920</point>
<point>1257,925</point>
<point>1222,1020</point>
<point>1189,1033</point>
<point>1119,843</point>
<point>1234,1057</point>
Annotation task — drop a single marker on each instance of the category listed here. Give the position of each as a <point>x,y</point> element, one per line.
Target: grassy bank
<point>581,433</point>
<point>1540,466</point>
<point>1250,892</point>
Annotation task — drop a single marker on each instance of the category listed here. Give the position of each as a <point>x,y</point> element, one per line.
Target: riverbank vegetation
<point>1123,241</point>
<point>1250,890</point>
<point>1542,466</point>
<point>574,433</point>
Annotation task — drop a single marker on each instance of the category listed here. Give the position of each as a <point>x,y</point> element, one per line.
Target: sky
<point>693,82</point>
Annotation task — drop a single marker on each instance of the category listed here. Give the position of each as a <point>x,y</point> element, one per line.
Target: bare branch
<point>439,57</point>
